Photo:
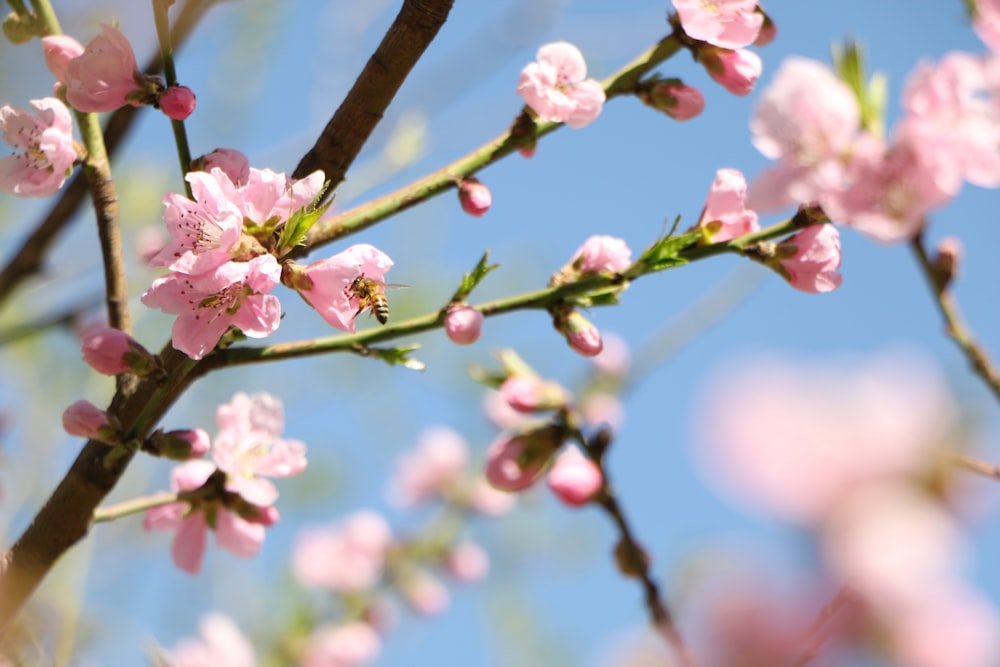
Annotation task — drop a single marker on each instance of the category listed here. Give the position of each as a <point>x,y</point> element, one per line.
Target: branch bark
<point>347,132</point>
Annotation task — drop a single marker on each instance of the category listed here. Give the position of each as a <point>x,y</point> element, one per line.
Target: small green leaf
<point>394,356</point>
<point>664,253</point>
<point>299,223</point>
<point>471,280</point>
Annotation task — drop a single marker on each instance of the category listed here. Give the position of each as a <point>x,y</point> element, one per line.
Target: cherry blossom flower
<point>346,556</point>
<point>556,89</point>
<point>233,294</point>
<point>46,139</point>
<point>731,24</point>
<point>475,197</point>
<point>615,359</point>
<point>348,645</point>
<point>601,408</point>
<point>674,98</point>
<point>736,71</point>
<point>809,260</point>
<point>602,254</point>
<point>232,532</point>
<point>105,76</point>
<point>424,593</point>
<point>463,324</point>
<point>111,351</point>
<point>220,644</point>
<point>467,561</point>
<point>436,463</point>
<point>327,282</point>
<point>270,197</point>
<point>986,22</point>
<point>59,50</point>
<point>177,102</point>
<point>249,446</point>
<point>574,478</point>
<point>726,215</point>
<point>203,231</point>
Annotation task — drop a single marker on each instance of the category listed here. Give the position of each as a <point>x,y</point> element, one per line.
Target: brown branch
<point>28,259</point>
<point>409,35</point>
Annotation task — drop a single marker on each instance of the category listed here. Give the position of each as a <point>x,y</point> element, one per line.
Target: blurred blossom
<point>345,556</point>
<point>220,644</point>
<point>499,412</point>
<point>438,460</point>
<point>348,645</point>
<point>489,501</point>
<point>728,23</point>
<point>424,593</point>
<point>574,478</point>
<point>467,561</point>
<point>602,254</point>
<point>615,358</point>
<point>530,393</point>
<point>602,409</point>
<point>794,439</point>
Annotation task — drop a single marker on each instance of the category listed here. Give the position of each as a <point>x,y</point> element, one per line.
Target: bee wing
<point>394,286</point>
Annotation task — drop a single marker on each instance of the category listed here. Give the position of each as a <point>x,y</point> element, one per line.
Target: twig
<point>820,628</point>
<point>134,506</point>
<point>975,465</point>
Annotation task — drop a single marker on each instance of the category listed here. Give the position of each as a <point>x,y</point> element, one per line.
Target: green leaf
<point>394,356</point>
<point>299,223</point>
<point>664,253</point>
<point>471,280</point>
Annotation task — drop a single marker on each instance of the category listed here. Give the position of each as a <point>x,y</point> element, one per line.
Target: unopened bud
<point>768,31</point>
<point>474,197</point>
<point>463,324</point>
<point>177,102</point>
<point>181,445</point>
<point>944,266</point>
<point>574,478</point>
<point>631,559</point>
<point>86,420</point>
<point>581,335</point>
<point>530,393</point>
<point>674,98</point>
<point>111,351</point>
<point>20,28</point>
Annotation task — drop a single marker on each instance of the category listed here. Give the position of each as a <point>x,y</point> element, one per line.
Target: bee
<point>370,293</point>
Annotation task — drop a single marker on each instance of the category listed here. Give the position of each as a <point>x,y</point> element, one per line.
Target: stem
<point>820,629</point>
<point>954,327</point>
<point>112,512</point>
<point>522,132</point>
<point>44,14</point>
<point>975,465</point>
<point>170,74</point>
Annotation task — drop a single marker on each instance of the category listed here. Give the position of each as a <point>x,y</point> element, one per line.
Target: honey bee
<point>370,293</point>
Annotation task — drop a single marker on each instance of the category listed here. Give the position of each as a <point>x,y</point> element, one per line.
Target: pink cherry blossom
<point>468,562</point>
<point>177,102</point>
<point>530,393</point>
<point>348,645</point>
<point>249,446</point>
<point>45,138</point>
<point>488,501</point>
<point>204,231</point>
<point>556,89</point>
<point>602,254</point>
<point>232,532</point>
<point>730,24</point>
<point>475,197</point>
<point>674,98</point>
<point>331,278</point>
<point>986,22</point>
<point>59,50</point>
<point>232,162</point>
<point>436,463</point>
<point>736,71</point>
<point>85,420</point>
<point>220,644</point>
<point>616,358</point>
<point>424,593</point>
<point>105,76</point>
<point>463,324</point>
<point>726,215</point>
<point>270,196</point>
<point>574,478</point>
<point>111,351</point>
<point>346,556</point>
<point>602,409</point>
<point>813,266</point>
<point>207,304</point>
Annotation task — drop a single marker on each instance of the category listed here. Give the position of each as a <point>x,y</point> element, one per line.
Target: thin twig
<point>820,629</point>
<point>975,465</point>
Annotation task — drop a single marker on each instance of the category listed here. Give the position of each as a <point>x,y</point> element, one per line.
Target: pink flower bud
<point>768,31</point>
<point>735,70</point>
<point>104,77</point>
<point>515,463</point>
<point>425,594</point>
<point>467,562</point>
<point>581,335</point>
<point>177,102</point>
<point>59,50</point>
<point>486,500</point>
<point>180,445</point>
<point>677,100</point>
<point>232,162</point>
<point>602,254</point>
<point>475,197</point>
<point>463,324</point>
<point>86,420</point>
<point>814,259</point>
<point>574,478</point>
<point>530,393</point>
<point>350,645</point>
<point>110,351</point>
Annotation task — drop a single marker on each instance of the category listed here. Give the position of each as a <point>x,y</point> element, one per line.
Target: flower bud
<point>631,559</point>
<point>515,463</point>
<point>735,70</point>
<point>86,420</point>
<point>602,254</point>
<point>177,102</point>
<point>475,197</point>
<point>530,393</point>
<point>232,162</point>
<point>424,593</point>
<point>59,50</point>
<point>20,28</point>
<point>945,264</point>
<point>111,351</point>
<point>768,30</point>
<point>179,445</point>
<point>467,562</point>
<point>581,335</point>
<point>809,260</point>
<point>674,98</point>
<point>574,478</point>
<point>463,324</point>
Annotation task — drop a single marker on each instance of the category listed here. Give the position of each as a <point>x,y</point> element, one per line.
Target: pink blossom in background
<point>424,593</point>
<point>499,412</point>
<point>488,501</point>
<point>85,420</point>
<point>793,440</point>
<point>616,357</point>
<point>232,162</point>
<point>813,266</point>
<point>203,232</point>
<point>220,644</point>
<point>463,325</point>
<point>59,50</point>
<point>249,446</point>
<point>574,478</point>
<point>347,645</point>
<point>437,462</point>
<point>602,409</point>
<point>986,22</point>
<point>555,87</point>
<point>674,98</point>
<point>726,215</point>
<point>736,71</point>
<point>344,557</point>
<point>730,24</point>
<point>474,197</point>
<point>177,102</point>
<point>530,393</point>
<point>515,463</point>
<point>105,76</point>
<point>602,254</point>
<point>44,141</point>
<point>467,561</point>
<point>331,278</point>
<point>207,304</point>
